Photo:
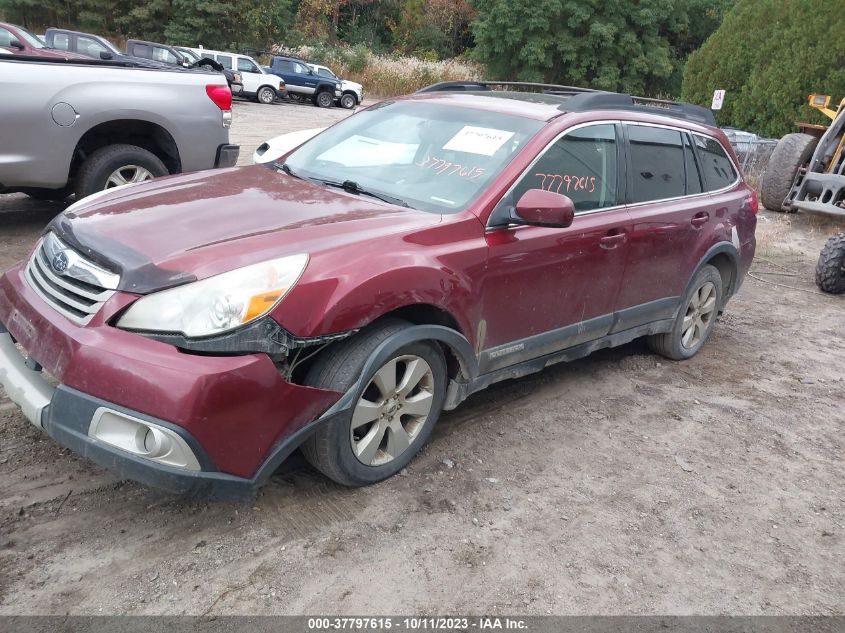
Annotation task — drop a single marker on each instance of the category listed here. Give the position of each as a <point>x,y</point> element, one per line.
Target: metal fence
<point>753,157</point>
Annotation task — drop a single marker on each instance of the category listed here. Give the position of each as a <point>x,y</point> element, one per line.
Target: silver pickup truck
<point>79,126</point>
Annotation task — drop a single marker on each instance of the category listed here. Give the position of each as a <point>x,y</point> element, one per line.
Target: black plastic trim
<point>263,335</point>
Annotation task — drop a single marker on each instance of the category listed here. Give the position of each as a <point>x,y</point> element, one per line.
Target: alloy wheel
<point>128,174</point>
<point>392,410</point>
<point>265,96</point>
<point>699,315</point>
<point>324,99</point>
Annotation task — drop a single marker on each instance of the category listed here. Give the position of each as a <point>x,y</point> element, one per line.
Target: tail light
<point>753,202</point>
<point>222,98</point>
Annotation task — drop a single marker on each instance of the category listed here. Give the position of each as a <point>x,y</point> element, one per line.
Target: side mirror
<point>16,44</point>
<point>104,55</point>
<point>537,207</point>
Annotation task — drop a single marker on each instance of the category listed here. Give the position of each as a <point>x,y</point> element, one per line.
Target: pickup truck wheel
<point>830,269</point>
<point>266,95</point>
<point>295,98</point>
<point>696,318</point>
<point>116,165</point>
<point>324,99</point>
<point>348,101</point>
<point>396,406</point>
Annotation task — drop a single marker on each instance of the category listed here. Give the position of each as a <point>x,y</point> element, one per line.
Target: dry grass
<point>773,233</point>
<point>388,76</point>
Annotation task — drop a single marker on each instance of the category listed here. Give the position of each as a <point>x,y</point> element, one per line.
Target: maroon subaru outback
<point>192,332</point>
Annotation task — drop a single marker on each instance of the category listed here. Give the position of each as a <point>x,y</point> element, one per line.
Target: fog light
<point>142,438</point>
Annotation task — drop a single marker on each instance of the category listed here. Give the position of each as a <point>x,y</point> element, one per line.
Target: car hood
<point>179,229</point>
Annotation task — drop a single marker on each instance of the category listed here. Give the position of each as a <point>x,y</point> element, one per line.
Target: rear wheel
<point>396,406</point>
<point>116,165</point>
<point>324,99</point>
<point>830,269</point>
<point>695,320</point>
<point>266,95</point>
<point>793,152</point>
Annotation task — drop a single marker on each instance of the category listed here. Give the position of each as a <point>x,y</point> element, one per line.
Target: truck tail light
<point>222,98</point>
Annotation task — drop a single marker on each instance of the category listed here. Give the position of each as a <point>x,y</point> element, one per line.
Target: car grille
<point>73,285</point>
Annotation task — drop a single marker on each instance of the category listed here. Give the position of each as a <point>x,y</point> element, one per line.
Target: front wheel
<point>792,153</point>
<point>116,165</point>
<point>324,99</point>
<point>396,406</point>
<point>696,318</point>
<point>348,101</point>
<point>830,269</point>
<point>266,95</point>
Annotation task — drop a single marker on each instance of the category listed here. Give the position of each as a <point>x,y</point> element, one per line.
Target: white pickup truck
<point>81,126</point>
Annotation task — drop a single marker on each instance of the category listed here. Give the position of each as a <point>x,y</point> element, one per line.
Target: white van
<point>261,86</point>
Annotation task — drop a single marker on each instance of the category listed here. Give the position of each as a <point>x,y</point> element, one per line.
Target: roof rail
<point>576,99</point>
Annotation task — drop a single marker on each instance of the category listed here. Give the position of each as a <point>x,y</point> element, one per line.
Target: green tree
<point>768,55</point>
<point>610,44</point>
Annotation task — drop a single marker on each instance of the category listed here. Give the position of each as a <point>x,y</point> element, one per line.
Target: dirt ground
<point>619,484</point>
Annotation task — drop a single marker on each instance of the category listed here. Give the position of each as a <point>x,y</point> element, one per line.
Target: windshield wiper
<point>351,186</point>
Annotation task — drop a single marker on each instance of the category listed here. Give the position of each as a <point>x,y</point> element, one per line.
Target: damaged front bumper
<point>213,425</point>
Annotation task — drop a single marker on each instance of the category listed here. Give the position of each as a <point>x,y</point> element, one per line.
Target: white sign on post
<point>718,99</point>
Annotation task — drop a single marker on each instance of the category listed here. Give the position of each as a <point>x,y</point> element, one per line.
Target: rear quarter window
<point>716,167</point>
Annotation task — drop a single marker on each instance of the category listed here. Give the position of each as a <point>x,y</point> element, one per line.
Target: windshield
<point>189,54</point>
<point>432,157</point>
<point>33,41</point>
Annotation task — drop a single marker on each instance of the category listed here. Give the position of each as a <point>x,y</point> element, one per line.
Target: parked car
<point>405,258</point>
<point>351,93</point>
<point>282,92</point>
<point>82,126</point>
<point>258,85</point>
<point>17,40</point>
<point>303,83</point>
<point>86,44</point>
<point>272,150</point>
<point>172,55</point>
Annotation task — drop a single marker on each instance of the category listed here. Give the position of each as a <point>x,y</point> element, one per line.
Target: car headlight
<point>216,304</point>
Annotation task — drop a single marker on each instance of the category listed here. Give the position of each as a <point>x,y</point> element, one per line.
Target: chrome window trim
<point>618,206</point>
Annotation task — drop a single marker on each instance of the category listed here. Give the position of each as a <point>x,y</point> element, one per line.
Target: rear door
<point>669,212</point>
<point>547,289</point>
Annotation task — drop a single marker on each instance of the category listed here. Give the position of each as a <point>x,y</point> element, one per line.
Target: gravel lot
<point>619,484</point>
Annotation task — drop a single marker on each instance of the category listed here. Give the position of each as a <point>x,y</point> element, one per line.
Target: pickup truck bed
<point>73,125</point>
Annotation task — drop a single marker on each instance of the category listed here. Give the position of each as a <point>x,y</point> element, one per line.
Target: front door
<point>549,289</point>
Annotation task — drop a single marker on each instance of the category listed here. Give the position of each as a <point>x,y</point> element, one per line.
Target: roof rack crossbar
<point>575,99</point>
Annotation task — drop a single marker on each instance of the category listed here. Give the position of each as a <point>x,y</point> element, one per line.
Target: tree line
<point>636,45</point>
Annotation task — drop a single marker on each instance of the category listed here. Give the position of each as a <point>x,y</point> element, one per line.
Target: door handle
<point>612,241</point>
<point>700,219</point>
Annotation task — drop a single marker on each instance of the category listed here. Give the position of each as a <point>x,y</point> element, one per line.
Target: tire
<point>348,101</point>
<point>793,151</point>
<point>674,344</point>
<point>97,170</point>
<point>294,97</point>
<point>48,195</point>
<point>324,99</point>
<point>330,450</point>
<point>265,95</point>
<point>830,269</point>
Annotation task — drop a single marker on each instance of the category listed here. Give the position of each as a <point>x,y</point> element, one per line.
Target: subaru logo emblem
<point>60,262</point>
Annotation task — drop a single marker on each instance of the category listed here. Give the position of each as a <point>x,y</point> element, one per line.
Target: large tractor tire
<point>830,270</point>
<point>793,152</point>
